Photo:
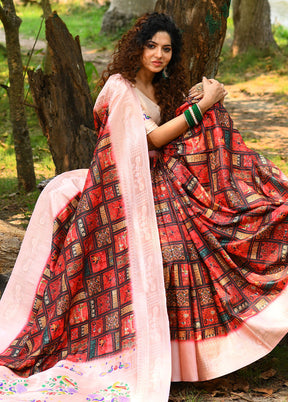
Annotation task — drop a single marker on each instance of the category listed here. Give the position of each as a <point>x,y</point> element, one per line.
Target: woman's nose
<point>158,52</point>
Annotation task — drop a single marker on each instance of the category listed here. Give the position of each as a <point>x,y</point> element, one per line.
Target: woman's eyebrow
<point>155,43</point>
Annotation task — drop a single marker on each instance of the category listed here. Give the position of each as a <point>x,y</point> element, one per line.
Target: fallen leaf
<point>218,393</point>
<point>268,374</point>
<point>267,391</point>
<point>234,395</point>
<point>241,386</point>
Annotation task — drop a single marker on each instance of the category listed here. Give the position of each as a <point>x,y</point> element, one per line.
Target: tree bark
<point>252,26</point>
<point>122,12</point>
<point>204,24</point>
<point>23,150</point>
<point>64,103</point>
<point>10,241</point>
<point>47,11</point>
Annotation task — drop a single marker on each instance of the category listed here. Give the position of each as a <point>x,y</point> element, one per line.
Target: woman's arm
<point>162,135</point>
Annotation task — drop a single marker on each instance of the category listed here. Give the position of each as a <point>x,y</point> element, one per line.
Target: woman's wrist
<point>193,115</point>
<point>204,105</point>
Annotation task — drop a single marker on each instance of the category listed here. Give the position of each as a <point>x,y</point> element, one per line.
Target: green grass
<point>31,20</point>
<point>254,62</point>
<point>10,196</point>
<point>279,161</point>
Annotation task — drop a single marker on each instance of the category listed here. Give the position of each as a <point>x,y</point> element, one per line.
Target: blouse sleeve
<point>149,123</point>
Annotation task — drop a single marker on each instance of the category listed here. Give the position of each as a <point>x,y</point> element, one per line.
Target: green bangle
<point>193,115</point>
<point>200,111</point>
<point>197,112</point>
<point>189,118</point>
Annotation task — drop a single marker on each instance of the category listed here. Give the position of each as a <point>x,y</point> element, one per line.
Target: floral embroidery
<point>58,385</point>
<point>118,392</point>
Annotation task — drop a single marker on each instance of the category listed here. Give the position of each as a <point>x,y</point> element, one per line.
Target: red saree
<point>96,301</point>
<point>222,214</point>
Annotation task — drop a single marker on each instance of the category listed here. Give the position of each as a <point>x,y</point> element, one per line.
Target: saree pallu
<point>84,314</point>
<point>222,214</point>
<point>201,233</point>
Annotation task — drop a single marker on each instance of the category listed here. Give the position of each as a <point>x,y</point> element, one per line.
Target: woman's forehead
<point>161,37</point>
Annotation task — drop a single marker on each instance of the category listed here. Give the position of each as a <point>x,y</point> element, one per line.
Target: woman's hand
<point>196,92</point>
<point>214,92</point>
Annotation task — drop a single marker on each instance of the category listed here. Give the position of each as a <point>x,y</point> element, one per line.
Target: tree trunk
<point>252,26</point>
<point>204,24</point>
<point>64,103</point>
<point>10,241</point>
<point>122,12</point>
<point>47,11</point>
<point>23,150</point>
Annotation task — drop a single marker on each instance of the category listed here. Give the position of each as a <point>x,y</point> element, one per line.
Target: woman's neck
<point>144,84</point>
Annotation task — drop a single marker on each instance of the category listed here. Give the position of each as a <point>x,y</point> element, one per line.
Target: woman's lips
<point>157,63</point>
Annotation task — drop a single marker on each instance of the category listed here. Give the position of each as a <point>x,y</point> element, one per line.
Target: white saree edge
<point>219,356</point>
<point>17,299</point>
<point>129,144</point>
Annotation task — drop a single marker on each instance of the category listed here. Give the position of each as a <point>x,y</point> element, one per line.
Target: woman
<point>93,321</point>
<point>155,70</point>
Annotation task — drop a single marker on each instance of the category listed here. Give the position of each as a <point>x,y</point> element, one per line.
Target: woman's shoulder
<point>117,80</point>
<point>116,87</point>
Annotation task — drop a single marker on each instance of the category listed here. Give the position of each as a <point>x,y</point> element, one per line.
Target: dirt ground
<point>261,117</point>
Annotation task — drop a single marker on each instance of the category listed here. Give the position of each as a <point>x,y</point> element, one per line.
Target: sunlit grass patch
<point>11,198</point>
<point>233,70</point>
<point>31,16</point>
<point>253,62</point>
<point>280,34</point>
<point>278,160</point>
<point>253,141</point>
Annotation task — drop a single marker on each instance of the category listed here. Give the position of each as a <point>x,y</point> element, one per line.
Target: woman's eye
<point>167,49</point>
<point>150,46</point>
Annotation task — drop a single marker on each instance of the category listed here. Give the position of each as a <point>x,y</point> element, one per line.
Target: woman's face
<point>157,53</point>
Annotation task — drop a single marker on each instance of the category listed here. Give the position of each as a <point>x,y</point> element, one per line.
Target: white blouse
<point>151,111</point>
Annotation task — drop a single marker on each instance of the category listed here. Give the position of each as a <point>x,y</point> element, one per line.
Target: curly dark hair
<point>126,60</point>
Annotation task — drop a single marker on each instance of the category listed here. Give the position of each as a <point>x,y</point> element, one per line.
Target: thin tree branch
<point>5,87</point>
